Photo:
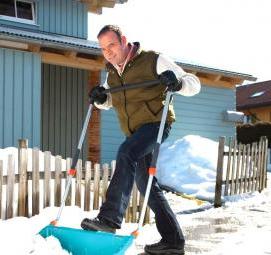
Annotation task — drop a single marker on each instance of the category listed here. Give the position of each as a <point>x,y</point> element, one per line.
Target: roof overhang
<point>85,54</point>
<point>54,49</point>
<point>216,77</point>
<point>96,6</point>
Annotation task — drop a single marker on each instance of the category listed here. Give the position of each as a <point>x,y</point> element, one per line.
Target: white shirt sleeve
<point>190,82</point>
<point>108,103</point>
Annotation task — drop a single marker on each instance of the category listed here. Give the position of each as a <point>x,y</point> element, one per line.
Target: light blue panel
<point>64,105</point>
<point>2,92</point>
<point>8,98</point>
<point>20,92</point>
<point>202,114</point>
<point>197,115</point>
<point>66,17</point>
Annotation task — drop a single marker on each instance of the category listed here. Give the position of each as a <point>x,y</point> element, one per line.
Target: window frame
<point>21,20</point>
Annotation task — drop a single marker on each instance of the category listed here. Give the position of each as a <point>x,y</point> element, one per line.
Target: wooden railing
<point>39,188</point>
<point>245,168</point>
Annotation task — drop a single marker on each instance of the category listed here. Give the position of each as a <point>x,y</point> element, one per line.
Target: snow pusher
<point>85,242</point>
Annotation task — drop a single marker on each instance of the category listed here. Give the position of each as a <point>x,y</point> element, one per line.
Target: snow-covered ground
<point>241,226</point>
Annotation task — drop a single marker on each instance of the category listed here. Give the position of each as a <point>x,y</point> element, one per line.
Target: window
<point>257,94</point>
<point>19,10</point>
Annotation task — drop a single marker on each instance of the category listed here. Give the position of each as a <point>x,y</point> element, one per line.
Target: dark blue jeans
<point>132,163</point>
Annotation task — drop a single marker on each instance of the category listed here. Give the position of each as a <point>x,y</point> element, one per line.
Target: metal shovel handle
<point>132,86</point>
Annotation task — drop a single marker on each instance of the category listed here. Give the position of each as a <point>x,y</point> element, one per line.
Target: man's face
<point>113,50</point>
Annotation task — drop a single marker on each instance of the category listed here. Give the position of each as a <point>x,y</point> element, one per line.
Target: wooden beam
<point>13,45</point>
<point>34,48</point>
<point>217,84</point>
<point>107,3</point>
<point>70,54</point>
<point>81,63</point>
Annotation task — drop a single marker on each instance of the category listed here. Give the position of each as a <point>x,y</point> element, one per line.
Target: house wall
<point>65,17</point>
<point>20,98</point>
<point>197,115</point>
<point>260,113</point>
<point>64,105</point>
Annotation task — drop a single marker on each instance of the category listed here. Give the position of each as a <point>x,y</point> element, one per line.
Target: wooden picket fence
<point>39,189</point>
<point>245,169</point>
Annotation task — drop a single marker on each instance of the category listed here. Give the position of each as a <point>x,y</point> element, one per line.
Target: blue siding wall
<point>197,115</point>
<point>202,114</point>
<point>66,17</point>
<point>20,77</point>
<point>64,105</point>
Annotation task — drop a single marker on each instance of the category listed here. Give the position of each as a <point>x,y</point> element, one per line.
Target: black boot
<point>164,248</point>
<point>97,224</point>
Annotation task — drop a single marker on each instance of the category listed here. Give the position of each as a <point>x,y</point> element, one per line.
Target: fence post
<point>22,170</point>
<point>219,172</point>
<point>69,196</point>
<point>35,182</point>
<point>105,180</point>
<point>78,183</point>
<point>87,185</point>
<point>1,185</point>
<point>10,186</point>
<point>47,179</point>
<point>57,186</point>
<point>265,162</point>
<point>96,186</point>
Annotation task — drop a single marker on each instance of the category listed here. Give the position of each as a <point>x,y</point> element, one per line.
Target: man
<point>139,113</point>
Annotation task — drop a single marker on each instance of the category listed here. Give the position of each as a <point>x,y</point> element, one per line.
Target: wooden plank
<point>237,183</point>
<point>96,187</point>
<point>254,169</point>
<point>105,181</point>
<point>248,155</point>
<point>243,168</point>
<point>265,162</point>
<point>259,161</point>
<point>47,179</point>
<point>226,190</point>
<point>78,183</point>
<point>87,186</point>
<point>251,167</point>
<point>10,187</point>
<point>68,201</point>
<point>127,213</point>
<point>57,186</point>
<point>232,174</point>
<point>35,182</point>
<point>219,172</point>
<point>260,165</point>
<point>1,186</point>
<point>22,170</point>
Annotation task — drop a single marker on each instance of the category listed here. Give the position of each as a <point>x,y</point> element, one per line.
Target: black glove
<point>169,79</point>
<point>96,95</point>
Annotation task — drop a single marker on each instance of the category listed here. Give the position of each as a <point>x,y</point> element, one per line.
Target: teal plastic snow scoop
<point>81,242</point>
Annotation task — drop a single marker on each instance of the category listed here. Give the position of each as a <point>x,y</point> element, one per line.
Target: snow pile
<point>188,165</point>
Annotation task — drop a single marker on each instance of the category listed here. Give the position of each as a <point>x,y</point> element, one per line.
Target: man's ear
<point>123,40</point>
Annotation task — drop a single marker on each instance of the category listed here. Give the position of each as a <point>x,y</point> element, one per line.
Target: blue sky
<point>228,34</point>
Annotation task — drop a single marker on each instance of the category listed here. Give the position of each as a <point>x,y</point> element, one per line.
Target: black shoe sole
<point>169,252</point>
<point>165,253</point>
<point>87,224</point>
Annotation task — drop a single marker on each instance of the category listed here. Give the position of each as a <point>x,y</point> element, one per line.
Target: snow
<point>241,226</point>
